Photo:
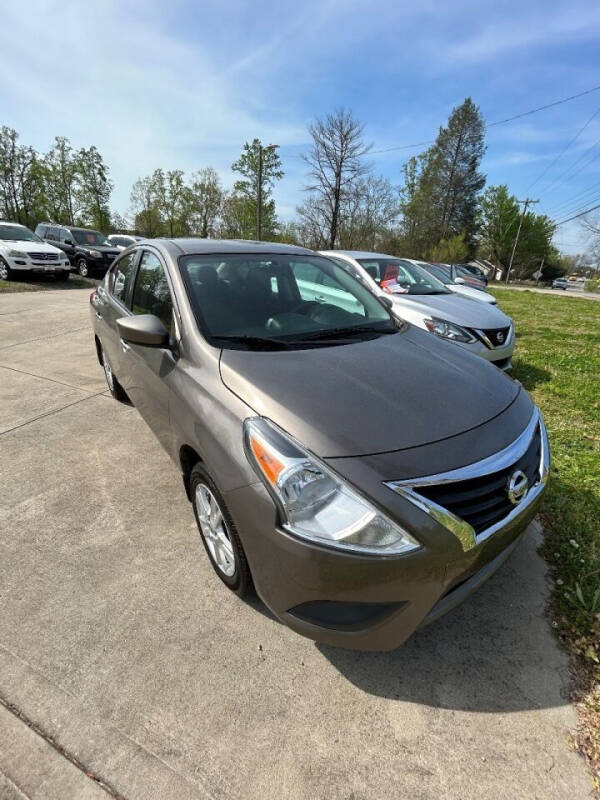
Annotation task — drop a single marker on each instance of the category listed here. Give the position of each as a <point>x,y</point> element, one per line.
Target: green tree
<point>442,185</point>
<point>261,168</point>
<point>93,189</point>
<point>450,251</point>
<point>21,180</point>
<point>206,200</point>
<point>173,200</point>
<point>499,221</point>
<point>61,177</point>
<point>145,209</point>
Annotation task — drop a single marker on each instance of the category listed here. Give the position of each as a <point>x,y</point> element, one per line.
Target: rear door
<point>149,371</point>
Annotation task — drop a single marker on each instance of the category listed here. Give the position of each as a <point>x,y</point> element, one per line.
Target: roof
<point>241,246</point>
<point>357,254</point>
<point>9,222</point>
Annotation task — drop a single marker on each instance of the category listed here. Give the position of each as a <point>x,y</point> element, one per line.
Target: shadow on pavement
<point>495,653</point>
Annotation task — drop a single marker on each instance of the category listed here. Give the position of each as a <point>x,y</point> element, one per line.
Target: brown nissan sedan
<point>363,475</point>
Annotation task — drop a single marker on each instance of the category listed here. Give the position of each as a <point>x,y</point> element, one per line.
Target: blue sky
<point>183,84</point>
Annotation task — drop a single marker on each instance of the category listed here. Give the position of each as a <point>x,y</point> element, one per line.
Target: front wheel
<point>82,268</point>
<point>6,272</point>
<point>219,534</point>
<point>114,386</point>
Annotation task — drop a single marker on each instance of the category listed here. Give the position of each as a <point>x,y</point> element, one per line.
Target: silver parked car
<point>457,285</point>
<point>418,297</point>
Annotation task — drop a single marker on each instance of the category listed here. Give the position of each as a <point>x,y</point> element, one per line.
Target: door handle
<point>321,298</point>
<point>124,346</point>
<point>98,315</point>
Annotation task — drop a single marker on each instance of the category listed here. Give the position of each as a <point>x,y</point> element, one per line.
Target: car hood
<point>29,247</point>
<point>453,308</point>
<point>473,294</point>
<point>389,393</point>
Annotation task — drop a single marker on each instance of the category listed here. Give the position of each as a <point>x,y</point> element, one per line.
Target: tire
<point>114,387</point>
<point>6,273</point>
<point>221,540</point>
<point>83,268</point>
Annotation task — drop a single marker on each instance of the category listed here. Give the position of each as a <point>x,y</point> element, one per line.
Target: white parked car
<point>424,301</point>
<point>22,251</point>
<point>123,240</point>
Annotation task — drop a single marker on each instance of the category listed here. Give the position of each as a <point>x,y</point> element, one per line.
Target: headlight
<point>314,502</point>
<point>95,254</point>
<point>448,330</point>
<point>17,254</point>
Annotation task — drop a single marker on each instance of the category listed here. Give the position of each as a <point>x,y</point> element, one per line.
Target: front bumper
<point>500,356</point>
<point>30,265</point>
<point>370,602</point>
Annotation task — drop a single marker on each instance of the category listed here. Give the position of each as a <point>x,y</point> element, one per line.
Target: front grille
<point>483,501</point>
<point>43,256</point>
<point>497,336</point>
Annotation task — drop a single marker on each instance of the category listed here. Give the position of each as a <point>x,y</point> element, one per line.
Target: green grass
<point>42,283</point>
<point>557,359</point>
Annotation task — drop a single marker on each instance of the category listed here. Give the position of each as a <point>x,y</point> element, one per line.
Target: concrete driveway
<point>127,670</point>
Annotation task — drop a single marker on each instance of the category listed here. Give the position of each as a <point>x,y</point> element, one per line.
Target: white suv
<point>22,251</point>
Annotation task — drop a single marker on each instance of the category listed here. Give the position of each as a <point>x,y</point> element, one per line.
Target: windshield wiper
<point>257,342</point>
<point>335,333</point>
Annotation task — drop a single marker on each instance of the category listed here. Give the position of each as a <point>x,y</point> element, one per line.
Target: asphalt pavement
<point>127,670</point>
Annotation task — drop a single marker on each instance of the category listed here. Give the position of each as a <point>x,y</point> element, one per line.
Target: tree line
<point>440,209</point>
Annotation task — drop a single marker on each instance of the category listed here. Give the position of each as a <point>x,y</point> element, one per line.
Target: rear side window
<point>121,276</point>
<point>151,294</point>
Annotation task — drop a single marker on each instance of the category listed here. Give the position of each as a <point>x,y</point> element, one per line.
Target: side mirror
<point>459,281</point>
<point>69,241</point>
<point>144,329</point>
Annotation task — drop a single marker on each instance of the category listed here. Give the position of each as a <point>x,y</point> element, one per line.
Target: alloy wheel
<point>214,530</point>
<point>82,268</point>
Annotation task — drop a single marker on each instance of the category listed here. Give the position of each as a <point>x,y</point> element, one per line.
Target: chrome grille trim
<point>495,463</point>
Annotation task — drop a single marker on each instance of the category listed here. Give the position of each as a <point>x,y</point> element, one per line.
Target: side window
<point>121,275</point>
<point>151,294</point>
<point>304,271</point>
<point>65,234</point>
<point>52,234</point>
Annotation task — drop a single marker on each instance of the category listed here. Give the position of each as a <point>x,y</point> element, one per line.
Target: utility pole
<point>259,195</point>
<point>527,202</point>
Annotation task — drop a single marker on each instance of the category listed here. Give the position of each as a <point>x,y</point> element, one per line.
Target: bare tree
<point>335,166</point>
<point>592,226</point>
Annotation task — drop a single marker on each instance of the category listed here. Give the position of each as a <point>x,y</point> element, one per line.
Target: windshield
<point>93,238</point>
<point>17,233</point>
<point>282,300</point>
<point>439,273</point>
<point>397,275</point>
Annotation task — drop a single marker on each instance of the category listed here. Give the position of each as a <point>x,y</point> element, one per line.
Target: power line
<point>576,216</point>
<point>577,197</point>
<point>564,150</point>
<point>559,180</point>
<point>497,122</point>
